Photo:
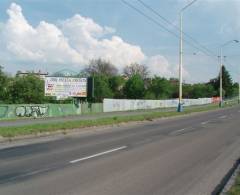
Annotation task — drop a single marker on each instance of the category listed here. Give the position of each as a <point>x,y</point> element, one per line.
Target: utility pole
<point>180,66</point>
<point>221,75</point>
<point>221,71</point>
<point>180,104</point>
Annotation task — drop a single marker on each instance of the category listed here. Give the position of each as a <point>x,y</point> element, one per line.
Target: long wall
<point>108,105</point>
<point>113,105</point>
<point>47,110</point>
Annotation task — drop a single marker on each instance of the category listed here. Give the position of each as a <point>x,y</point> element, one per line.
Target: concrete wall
<point>112,105</point>
<point>87,108</point>
<point>47,110</point>
<point>109,105</point>
<point>38,110</point>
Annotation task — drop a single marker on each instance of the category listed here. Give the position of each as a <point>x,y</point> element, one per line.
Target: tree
<point>227,83</point>
<point>186,91</point>
<point>27,89</point>
<point>134,69</point>
<point>175,87</point>
<point>160,88</point>
<point>202,90</point>
<point>4,81</point>
<point>101,88</point>
<point>100,67</point>
<point>134,87</point>
<point>235,89</point>
<point>116,84</point>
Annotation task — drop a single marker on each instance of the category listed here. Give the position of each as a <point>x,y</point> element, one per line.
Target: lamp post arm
<point>188,5</point>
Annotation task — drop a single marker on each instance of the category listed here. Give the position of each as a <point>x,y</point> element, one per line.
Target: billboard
<point>64,87</point>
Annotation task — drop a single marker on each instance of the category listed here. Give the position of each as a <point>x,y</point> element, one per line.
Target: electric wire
<point>175,26</point>
<point>166,29</point>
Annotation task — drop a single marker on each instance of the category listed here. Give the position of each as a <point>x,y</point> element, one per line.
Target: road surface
<point>184,155</point>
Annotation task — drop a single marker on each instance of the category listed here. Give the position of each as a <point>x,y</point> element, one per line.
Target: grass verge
<point>10,132</point>
<point>235,189</point>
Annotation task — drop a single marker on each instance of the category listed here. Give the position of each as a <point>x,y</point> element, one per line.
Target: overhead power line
<point>234,71</point>
<point>175,26</point>
<point>149,18</point>
<point>166,29</point>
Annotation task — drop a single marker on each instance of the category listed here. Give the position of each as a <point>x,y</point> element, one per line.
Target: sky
<point>66,34</point>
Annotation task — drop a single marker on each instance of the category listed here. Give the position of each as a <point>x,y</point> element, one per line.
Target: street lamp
<point>180,105</point>
<point>221,67</point>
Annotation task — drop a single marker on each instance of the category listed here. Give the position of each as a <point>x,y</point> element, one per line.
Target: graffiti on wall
<point>111,105</point>
<point>31,111</point>
<point>3,111</point>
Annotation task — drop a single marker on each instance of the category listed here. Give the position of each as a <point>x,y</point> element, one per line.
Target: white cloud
<point>73,42</point>
<point>159,65</point>
<point>45,43</point>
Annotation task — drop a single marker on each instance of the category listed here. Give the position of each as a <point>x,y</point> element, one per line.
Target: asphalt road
<point>185,155</point>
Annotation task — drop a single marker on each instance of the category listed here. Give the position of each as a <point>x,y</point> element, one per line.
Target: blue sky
<point>211,22</point>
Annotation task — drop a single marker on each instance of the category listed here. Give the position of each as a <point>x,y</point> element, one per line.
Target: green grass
<point>235,189</point>
<point>10,132</point>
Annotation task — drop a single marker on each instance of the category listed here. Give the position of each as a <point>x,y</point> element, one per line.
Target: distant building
<point>39,74</point>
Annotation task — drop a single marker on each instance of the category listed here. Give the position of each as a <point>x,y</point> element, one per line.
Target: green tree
<point>175,87</point>
<point>134,87</point>
<point>159,88</point>
<point>235,89</point>
<point>101,88</point>
<point>27,89</point>
<point>187,88</point>
<point>4,82</point>
<point>202,90</point>
<point>116,84</point>
<point>227,82</point>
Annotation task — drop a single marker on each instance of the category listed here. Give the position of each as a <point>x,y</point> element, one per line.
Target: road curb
<point>221,186</point>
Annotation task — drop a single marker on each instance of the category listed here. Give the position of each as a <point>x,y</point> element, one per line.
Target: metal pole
<point>180,104</point>
<point>180,66</point>
<point>221,70</point>
<point>221,74</point>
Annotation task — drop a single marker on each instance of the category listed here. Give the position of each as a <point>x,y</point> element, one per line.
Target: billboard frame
<point>73,77</point>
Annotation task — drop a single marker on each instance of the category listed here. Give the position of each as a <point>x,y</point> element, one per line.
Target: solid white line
<point>176,132</point>
<point>180,130</point>
<point>224,116</point>
<point>205,122</point>
<point>98,154</point>
<point>28,174</point>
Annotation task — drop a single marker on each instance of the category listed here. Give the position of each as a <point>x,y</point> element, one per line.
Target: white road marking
<point>222,117</point>
<point>177,131</point>
<point>180,130</point>
<point>35,172</point>
<point>27,174</point>
<point>98,154</point>
<point>205,122</point>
